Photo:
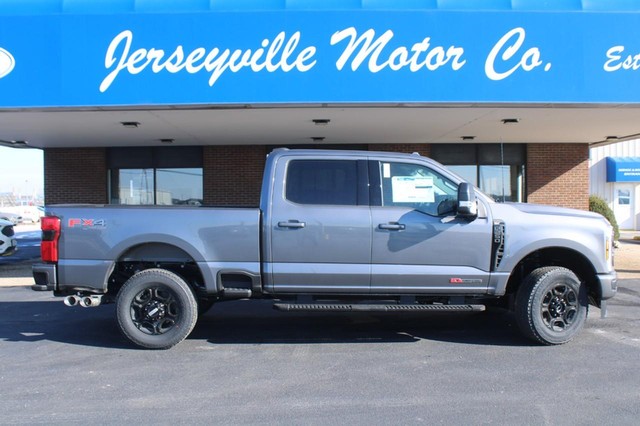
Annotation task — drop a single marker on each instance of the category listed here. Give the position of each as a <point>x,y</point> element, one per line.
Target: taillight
<point>50,235</point>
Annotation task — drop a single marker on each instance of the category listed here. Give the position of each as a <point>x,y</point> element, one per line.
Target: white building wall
<point>598,173</point>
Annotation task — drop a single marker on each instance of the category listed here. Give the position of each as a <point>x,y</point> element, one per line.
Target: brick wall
<point>233,175</point>
<point>558,175</point>
<point>75,175</point>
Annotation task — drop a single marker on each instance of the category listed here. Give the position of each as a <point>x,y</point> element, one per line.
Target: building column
<point>558,174</point>
<point>75,175</point>
<point>233,175</point>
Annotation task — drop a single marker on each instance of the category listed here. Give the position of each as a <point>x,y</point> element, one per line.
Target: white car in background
<point>11,217</point>
<point>8,244</point>
<point>26,213</point>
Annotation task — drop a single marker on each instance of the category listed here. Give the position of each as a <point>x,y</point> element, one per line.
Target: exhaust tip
<point>71,301</point>
<point>90,301</point>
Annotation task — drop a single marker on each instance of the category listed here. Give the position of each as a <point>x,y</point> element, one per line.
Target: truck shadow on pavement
<point>229,324</point>
<point>46,319</point>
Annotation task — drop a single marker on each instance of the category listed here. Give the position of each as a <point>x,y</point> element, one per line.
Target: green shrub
<point>598,205</point>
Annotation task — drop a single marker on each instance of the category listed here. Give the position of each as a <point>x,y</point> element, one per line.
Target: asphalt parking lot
<point>246,363</point>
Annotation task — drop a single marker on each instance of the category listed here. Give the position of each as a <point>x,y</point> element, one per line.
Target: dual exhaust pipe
<point>84,301</point>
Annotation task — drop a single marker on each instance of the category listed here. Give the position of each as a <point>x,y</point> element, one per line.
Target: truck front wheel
<point>551,305</point>
<point>156,309</point>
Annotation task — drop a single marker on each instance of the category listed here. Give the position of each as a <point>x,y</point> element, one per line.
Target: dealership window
<point>155,176</point>
<point>497,169</point>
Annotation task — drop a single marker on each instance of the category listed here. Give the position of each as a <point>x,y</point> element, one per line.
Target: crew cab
<point>335,231</point>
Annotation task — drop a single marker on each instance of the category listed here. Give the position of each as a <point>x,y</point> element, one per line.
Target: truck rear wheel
<point>156,309</point>
<point>551,305</point>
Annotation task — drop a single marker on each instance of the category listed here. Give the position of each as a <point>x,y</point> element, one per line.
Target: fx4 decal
<point>465,281</point>
<point>86,223</point>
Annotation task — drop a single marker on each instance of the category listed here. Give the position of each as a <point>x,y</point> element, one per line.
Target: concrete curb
<point>16,274</point>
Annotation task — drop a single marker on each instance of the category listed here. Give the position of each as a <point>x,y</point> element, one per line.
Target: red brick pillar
<point>558,174</point>
<point>75,175</point>
<point>233,175</point>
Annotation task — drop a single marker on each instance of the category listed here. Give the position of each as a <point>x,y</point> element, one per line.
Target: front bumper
<point>45,276</point>
<point>608,285</point>
<point>608,289</point>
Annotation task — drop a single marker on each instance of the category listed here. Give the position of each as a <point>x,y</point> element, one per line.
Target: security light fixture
<point>612,138</point>
<point>167,140</point>
<point>467,138</point>
<point>321,121</point>
<point>130,124</point>
<point>317,138</point>
<point>510,120</point>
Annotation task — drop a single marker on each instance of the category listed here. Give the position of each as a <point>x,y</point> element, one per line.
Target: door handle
<point>291,224</point>
<point>392,226</point>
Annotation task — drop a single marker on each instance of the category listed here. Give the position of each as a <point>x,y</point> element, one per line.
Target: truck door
<point>419,246</point>
<point>320,227</point>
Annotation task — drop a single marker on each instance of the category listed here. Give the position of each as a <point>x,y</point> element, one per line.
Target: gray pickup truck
<point>338,231</point>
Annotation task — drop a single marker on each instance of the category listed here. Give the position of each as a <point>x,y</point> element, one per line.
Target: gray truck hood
<point>555,211</point>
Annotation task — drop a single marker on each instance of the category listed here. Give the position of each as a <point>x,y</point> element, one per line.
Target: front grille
<point>8,231</point>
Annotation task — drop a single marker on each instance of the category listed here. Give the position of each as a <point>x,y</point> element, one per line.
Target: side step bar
<point>236,293</point>
<point>340,307</point>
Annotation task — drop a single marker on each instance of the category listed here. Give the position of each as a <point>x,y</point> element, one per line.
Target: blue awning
<point>36,7</point>
<point>623,169</point>
<point>114,53</point>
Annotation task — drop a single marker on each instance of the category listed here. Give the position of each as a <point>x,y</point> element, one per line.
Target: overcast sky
<point>21,171</point>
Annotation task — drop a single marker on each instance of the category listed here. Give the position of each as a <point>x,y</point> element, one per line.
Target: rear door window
<point>322,182</point>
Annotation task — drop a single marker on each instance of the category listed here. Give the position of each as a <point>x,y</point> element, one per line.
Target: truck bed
<point>95,236</point>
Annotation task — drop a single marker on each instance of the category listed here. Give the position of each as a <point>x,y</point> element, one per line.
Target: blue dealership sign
<point>623,169</point>
<point>316,57</point>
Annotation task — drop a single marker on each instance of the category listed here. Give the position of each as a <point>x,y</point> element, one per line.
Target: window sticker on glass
<point>386,170</point>
<point>412,189</point>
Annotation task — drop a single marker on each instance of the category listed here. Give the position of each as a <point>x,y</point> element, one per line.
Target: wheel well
<point>156,255</point>
<point>557,256</point>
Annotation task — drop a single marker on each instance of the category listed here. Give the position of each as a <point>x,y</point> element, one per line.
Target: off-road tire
<point>551,305</point>
<point>156,309</point>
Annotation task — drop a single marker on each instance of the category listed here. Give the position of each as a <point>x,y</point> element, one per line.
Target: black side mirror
<point>467,205</point>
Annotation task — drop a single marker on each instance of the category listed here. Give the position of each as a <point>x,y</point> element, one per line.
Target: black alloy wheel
<point>551,305</point>
<point>156,309</point>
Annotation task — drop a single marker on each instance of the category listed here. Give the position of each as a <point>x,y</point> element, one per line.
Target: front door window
<point>417,187</point>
